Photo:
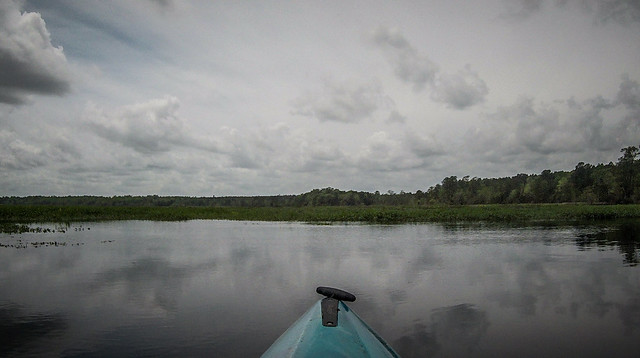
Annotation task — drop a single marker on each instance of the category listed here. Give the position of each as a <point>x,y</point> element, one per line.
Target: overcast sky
<point>205,98</point>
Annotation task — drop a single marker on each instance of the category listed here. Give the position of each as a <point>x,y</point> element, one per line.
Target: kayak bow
<point>330,329</point>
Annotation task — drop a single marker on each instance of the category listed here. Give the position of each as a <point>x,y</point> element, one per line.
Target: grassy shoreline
<point>21,214</point>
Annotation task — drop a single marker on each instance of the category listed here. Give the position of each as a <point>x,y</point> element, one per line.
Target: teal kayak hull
<point>352,337</point>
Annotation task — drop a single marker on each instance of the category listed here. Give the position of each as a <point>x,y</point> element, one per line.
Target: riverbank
<point>22,214</point>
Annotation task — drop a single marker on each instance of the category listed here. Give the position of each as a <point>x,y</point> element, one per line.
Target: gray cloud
<point>408,64</point>
<point>519,9</point>
<point>382,152</point>
<point>423,147</point>
<point>541,128</point>
<point>30,63</point>
<point>458,91</point>
<point>623,12</point>
<point>620,11</point>
<point>344,102</point>
<point>396,117</point>
<point>629,96</point>
<point>318,158</point>
<point>461,90</point>
<point>279,148</point>
<point>166,4</point>
<point>537,133</point>
<point>629,93</point>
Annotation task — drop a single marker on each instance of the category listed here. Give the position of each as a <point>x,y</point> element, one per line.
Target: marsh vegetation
<point>14,218</point>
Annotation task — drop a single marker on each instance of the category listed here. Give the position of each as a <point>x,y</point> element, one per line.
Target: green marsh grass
<point>10,214</point>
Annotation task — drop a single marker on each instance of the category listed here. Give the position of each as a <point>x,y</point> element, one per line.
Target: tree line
<point>612,183</point>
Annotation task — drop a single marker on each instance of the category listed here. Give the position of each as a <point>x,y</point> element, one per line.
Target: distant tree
<point>449,187</point>
<point>581,176</point>
<point>517,192</point>
<point>564,191</point>
<point>542,187</point>
<point>627,172</point>
<point>605,185</point>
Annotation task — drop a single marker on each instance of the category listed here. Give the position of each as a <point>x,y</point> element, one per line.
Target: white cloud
<point>29,62</point>
<point>16,154</point>
<point>149,127</point>
<point>37,150</point>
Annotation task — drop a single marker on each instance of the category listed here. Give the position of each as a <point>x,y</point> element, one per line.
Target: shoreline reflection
<point>209,288</point>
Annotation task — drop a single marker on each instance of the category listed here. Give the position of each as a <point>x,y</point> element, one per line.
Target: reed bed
<point>13,215</point>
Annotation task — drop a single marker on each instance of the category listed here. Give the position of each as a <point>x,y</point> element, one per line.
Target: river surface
<point>229,289</point>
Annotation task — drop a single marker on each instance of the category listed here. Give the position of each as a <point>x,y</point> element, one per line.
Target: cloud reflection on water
<point>427,289</point>
<point>454,331</point>
<point>158,278</point>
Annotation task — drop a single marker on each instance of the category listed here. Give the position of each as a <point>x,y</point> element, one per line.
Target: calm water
<point>229,289</point>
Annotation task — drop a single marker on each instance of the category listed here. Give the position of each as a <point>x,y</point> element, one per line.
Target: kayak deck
<point>351,337</point>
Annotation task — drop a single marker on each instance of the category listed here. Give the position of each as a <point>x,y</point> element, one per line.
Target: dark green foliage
<point>627,172</point>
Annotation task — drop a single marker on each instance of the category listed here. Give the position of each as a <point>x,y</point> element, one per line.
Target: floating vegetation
<point>11,228</point>
<point>19,244</point>
<point>48,243</point>
<point>21,228</point>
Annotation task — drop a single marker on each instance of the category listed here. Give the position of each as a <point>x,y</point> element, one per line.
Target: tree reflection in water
<point>625,238</point>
